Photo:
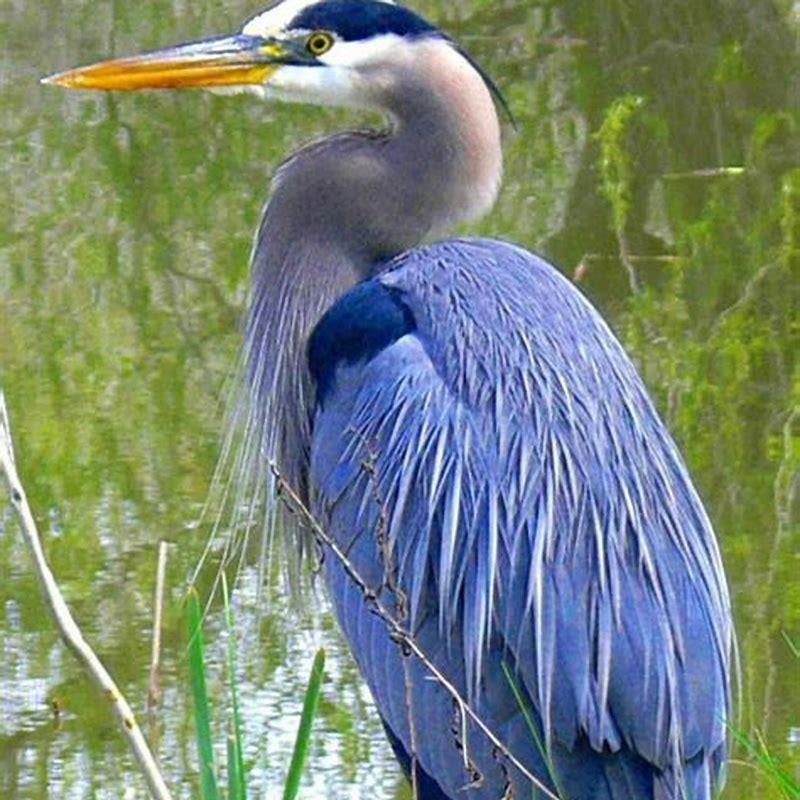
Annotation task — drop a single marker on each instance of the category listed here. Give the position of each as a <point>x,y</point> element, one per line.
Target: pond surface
<point>663,130</point>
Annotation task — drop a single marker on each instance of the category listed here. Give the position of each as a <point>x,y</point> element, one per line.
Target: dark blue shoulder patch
<point>357,327</point>
<point>353,20</point>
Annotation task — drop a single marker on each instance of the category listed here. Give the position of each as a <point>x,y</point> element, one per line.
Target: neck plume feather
<point>342,207</point>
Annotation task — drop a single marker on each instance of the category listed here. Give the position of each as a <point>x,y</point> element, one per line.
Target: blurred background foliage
<point>656,161</point>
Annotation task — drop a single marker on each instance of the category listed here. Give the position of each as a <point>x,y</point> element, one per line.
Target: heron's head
<point>333,52</point>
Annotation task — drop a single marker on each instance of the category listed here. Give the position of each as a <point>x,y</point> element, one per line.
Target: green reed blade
<point>236,784</point>
<point>791,644</point>
<point>531,725</point>
<point>302,741</point>
<point>769,765</point>
<point>237,777</point>
<point>202,715</point>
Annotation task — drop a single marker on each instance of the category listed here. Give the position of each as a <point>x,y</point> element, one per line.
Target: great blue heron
<point>468,429</point>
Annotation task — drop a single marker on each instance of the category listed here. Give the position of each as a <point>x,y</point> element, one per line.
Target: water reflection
<point>123,267</point>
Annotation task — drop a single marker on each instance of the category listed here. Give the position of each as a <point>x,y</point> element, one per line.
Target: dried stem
<point>154,685</point>
<point>397,631</point>
<point>742,300</point>
<point>67,627</point>
<point>627,261</point>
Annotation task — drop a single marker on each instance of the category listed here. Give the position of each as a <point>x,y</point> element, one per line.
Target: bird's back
<point>489,457</point>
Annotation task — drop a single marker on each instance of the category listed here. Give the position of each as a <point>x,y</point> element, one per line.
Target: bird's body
<point>536,513</point>
<point>470,432</point>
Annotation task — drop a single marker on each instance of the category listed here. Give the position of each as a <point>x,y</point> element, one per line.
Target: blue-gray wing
<point>489,458</point>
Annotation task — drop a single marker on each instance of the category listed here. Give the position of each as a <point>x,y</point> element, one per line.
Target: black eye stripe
<point>352,20</point>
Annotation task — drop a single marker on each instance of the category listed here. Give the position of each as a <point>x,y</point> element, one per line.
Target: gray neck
<point>341,207</point>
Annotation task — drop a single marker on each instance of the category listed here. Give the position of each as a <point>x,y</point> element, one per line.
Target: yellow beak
<point>223,61</point>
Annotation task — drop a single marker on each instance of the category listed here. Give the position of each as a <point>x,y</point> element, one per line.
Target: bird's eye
<point>319,43</point>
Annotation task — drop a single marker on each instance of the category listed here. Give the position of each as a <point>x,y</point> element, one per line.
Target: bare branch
<point>397,632</point>
<point>707,172</point>
<point>154,687</point>
<point>627,262</point>
<point>65,623</point>
<point>742,300</point>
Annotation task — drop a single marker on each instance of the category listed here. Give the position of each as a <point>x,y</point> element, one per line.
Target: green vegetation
<point>616,155</point>
<point>757,752</point>
<point>235,768</point>
<point>760,756</point>
<point>531,725</point>
<point>202,713</point>
<point>310,704</point>
<point>237,775</point>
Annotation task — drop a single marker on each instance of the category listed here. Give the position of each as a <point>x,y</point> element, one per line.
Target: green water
<point>664,130</point>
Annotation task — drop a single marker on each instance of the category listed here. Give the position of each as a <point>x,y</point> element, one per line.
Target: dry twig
<point>154,687</point>
<point>65,623</point>
<point>397,632</point>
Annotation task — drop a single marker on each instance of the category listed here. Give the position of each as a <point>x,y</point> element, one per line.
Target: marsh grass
<point>235,770</point>
<point>531,725</point>
<point>762,758</point>
<point>759,755</point>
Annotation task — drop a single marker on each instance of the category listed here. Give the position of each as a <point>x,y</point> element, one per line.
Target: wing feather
<point>538,513</point>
